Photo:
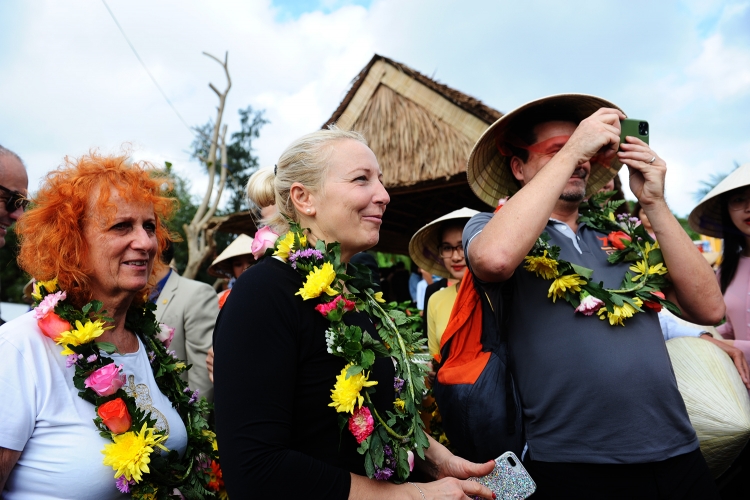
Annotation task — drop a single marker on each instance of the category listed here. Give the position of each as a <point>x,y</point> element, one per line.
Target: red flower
<point>115,415</point>
<point>325,308</point>
<point>216,482</point>
<point>616,237</point>
<point>656,306</point>
<point>53,325</point>
<point>361,424</point>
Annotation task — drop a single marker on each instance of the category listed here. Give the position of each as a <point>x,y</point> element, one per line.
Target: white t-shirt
<point>42,415</point>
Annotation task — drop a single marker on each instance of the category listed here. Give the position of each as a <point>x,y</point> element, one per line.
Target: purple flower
<point>151,356</point>
<point>123,484</point>
<point>194,397</point>
<point>398,384</point>
<point>71,360</point>
<point>91,358</point>
<point>304,254</point>
<point>634,219</point>
<point>622,217</point>
<point>387,451</point>
<point>383,474</point>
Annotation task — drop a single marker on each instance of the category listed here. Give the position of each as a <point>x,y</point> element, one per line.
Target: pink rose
<point>53,325</point>
<point>410,458</point>
<point>361,423</point>
<point>106,380</point>
<point>589,305</point>
<point>327,307</point>
<point>165,334</point>
<point>264,239</point>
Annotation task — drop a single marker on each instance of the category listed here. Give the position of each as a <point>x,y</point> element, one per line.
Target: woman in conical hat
<point>725,213</point>
<point>437,249</point>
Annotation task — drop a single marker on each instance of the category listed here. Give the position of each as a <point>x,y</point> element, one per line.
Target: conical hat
<point>488,170</point>
<point>716,399</point>
<point>423,246</point>
<point>221,267</point>
<point>706,218</point>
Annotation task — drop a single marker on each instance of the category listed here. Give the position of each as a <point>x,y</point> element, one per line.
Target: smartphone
<point>508,480</point>
<point>633,128</point>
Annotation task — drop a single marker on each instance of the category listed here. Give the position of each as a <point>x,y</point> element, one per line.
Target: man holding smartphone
<point>603,417</point>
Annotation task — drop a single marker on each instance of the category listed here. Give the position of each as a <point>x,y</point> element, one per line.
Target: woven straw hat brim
<point>706,217</point>
<point>221,267</point>
<point>488,171</point>
<point>423,247</point>
<point>715,397</point>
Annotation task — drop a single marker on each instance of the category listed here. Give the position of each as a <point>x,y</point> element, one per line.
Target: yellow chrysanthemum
<point>318,281</point>
<point>286,245</point>
<point>543,266</point>
<point>378,297</point>
<point>180,366</point>
<point>400,405</point>
<point>346,392</point>
<point>612,216</point>
<point>50,286</point>
<point>81,335</point>
<point>212,437</point>
<point>648,247</point>
<point>641,268</point>
<point>130,453</point>
<point>565,282</point>
<point>621,313</point>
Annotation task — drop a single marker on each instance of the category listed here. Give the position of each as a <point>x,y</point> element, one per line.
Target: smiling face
<point>738,202</point>
<point>13,177</point>
<point>121,250</point>
<point>349,207</point>
<point>453,262</point>
<point>575,189</point>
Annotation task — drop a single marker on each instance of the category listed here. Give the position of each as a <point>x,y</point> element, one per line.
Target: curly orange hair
<point>51,232</point>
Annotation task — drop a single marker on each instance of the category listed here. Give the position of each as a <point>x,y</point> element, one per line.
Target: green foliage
<point>12,278</point>
<point>241,161</point>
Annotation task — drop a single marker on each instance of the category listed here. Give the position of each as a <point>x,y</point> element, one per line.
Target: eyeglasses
<point>446,250</point>
<point>14,200</point>
<point>738,202</point>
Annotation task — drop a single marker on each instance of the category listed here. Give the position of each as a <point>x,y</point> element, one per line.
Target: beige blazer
<point>191,308</point>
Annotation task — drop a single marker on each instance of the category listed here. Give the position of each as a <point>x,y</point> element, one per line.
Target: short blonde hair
<point>306,161</point>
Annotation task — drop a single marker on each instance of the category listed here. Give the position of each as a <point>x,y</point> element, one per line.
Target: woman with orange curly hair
<point>109,414</point>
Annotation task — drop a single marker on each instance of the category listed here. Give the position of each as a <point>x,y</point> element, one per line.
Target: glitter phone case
<point>508,480</point>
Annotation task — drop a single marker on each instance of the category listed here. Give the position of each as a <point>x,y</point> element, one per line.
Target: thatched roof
<point>422,133</point>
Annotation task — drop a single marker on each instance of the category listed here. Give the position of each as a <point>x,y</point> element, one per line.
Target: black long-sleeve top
<point>273,379</point>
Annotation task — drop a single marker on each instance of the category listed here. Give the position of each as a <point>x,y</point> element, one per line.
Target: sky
<point>69,82</point>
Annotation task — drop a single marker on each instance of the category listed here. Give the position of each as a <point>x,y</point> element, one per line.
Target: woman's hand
<point>210,363</point>
<point>451,488</point>
<point>738,357</point>
<point>647,171</point>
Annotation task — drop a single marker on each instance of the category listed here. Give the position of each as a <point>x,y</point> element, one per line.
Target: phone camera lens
<point>643,128</point>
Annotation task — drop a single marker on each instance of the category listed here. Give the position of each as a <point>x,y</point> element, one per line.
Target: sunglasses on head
<point>13,199</point>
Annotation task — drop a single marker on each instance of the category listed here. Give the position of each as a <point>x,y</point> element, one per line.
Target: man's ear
<point>302,199</point>
<point>516,167</point>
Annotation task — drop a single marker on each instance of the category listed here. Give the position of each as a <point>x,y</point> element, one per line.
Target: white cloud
<point>69,81</point>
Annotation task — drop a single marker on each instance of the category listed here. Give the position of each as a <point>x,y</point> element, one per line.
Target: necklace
<point>642,284</point>
<point>142,463</point>
<point>386,441</point>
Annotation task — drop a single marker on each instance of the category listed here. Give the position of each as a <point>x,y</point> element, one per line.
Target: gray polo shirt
<point>591,392</point>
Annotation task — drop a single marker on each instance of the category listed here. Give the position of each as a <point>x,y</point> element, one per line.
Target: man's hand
<point>647,171</point>
<point>599,134</point>
<point>738,357</point>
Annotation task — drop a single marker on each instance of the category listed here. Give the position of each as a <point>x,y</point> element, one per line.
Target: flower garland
<point>387,442</point>
<point>143,465</point>
<point>642,284</point>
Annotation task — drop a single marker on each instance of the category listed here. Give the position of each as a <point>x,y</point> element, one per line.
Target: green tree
<point>12,278</point>
<point>241,161</point>
<point>712,182</point>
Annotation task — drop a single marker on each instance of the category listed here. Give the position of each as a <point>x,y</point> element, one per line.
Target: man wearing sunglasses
<point>13,185</point>
<point>602,414</point>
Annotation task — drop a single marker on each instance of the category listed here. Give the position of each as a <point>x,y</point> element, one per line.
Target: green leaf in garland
<point>107,347</point>
<point>368,359</point>
<point>353,370</point>
<point>582,271</point>
<point>655,257</point>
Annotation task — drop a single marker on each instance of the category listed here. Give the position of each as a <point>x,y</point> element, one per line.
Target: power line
<point>146,68</point>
